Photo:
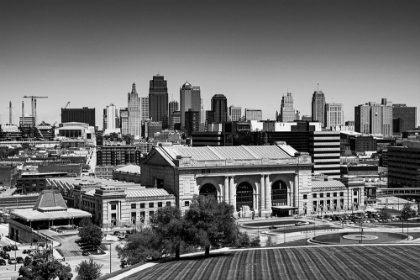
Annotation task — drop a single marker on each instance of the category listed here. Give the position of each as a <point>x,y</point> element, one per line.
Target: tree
<point>269,242</point>
<point>91,234</point>
<point>256,242</point>
<point>242,240</point>
<point>85,222</point>
<point>168,224</point>
<point>88,270</point>
<point>43,268</point>
<point>141,246</point>
<point>407,212</point>
<point>385,213</point>
<point>209,223</point>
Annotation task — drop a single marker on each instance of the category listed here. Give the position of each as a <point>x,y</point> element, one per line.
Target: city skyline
<point>89,52</point>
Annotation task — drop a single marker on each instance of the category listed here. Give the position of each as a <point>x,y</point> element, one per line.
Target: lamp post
<point>284,232</point>
<point>110,257</point>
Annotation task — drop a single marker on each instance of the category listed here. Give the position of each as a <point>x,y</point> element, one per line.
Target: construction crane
<point>65,107</point>
<point>33,103</point>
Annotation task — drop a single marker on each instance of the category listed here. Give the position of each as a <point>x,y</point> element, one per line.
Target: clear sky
<point>90,52</point>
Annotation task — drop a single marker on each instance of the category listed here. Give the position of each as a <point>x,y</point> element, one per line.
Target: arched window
<point>208,189</point>
<point>279,193</point>
<point>244,196</point>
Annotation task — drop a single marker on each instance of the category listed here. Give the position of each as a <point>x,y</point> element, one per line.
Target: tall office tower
<point>175,120</point>
<point>318,107</point>
<point>158,100</point>
<point>110,117</point>
<point>192,122</point>
<point>144,108</point>
<point>219,108</point>
<point>374,118</point>
<point>82,115</point>
<point>124,121</point>
<point>253,115</point>
<point>324,147</point>
<point>235,113</point>
<point>190,98</point>
<point>287,112</point>
<point>404,118</point>
<point>202,116</point>
<point>334,114</point>
<point>173,106</point>
<point>134,112</point>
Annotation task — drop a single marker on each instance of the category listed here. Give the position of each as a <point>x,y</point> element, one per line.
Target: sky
<point>89,53</point>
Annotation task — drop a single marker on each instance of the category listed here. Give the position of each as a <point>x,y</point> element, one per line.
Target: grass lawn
<point>271,223</point>
<point>341,262</point>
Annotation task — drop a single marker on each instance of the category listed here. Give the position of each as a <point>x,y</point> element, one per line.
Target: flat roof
<point>34,215</point>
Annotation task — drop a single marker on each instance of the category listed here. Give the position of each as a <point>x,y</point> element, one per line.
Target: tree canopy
<point>407,212</point>
<point>41,267</point>
<point>90,233</point>
<point>88,270</point>
<point>209,223</point>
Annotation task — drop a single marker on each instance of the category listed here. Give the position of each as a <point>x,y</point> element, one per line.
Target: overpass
<point>398,192</point>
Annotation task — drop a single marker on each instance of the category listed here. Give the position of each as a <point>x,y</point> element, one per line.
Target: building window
<point>142,215</point>
<point>355,200</point>
<point>133,217</point>
<point>314,195</point>
<point>305,196</point>
<point>151,205</point>
<point>341,194</point>
<point>142,205</point>
<point>168,203</point>
<point>354,192</point>
<point>159,204</point>
<point>133,206</point>
<point>321,195</point>
<point>187,203</point>
<point>328,194</point>
<point>335,194</point>
<point>151,213</point>
<point>113,206</point>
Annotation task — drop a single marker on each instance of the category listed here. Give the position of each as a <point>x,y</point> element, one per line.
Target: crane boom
<point>33,103</point>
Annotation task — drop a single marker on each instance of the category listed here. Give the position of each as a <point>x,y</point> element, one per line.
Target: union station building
<point>256,180</point>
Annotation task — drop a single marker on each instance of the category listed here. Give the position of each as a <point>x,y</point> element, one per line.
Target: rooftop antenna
<point>317,86</point>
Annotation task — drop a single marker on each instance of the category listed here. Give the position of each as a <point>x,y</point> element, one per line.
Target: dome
<point>187,85</point>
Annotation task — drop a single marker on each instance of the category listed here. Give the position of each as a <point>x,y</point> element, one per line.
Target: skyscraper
<point>173,106</point>
<point>134,113</point>
<point>374,118</point>
<point>318,107</point>
<point>158,100</point>
<point>192,121</point>
<point>334,114</point>
<point>287,111</point>
<point>144,108</point>
<point>404,118</point>
<point>83,115</point>
<point>190,98</point>
<point>219,108</point>
<point>173,114</point>
<point>235,113</point>
<point>124,121</point>
<point>110,117</point>
<point>253,114</point>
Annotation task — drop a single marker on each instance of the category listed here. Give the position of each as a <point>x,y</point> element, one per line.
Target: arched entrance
<point>279,198</point>
<point>244,196</point>
<point>208,189</point>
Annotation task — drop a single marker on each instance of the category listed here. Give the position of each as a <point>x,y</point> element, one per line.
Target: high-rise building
<point>134,113</point>
<point>334,114</point>
<point>173,106</point>
<point>175,120</point>
<point>318,107</point>
<point>404,118</point>
<point>324,147</point>
<point>190,98</point>
<point>219,108</point>
<point>158,100</point>
<point>82,115</point>
<point>192,122</point>
<point>144,108</point>
<point>253,114</point>
<point>374,118</point>
<point>110,117</point>
<point>235,113</point>
<point>287,111</point>
<point>124,121</point>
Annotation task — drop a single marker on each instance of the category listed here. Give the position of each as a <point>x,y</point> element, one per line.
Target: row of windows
<point>321,195</point>
<point>143,205</point>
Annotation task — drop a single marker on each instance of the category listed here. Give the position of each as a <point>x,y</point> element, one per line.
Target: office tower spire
<point>287,111</point>
<point>190,98</point>
<point>134,112</point>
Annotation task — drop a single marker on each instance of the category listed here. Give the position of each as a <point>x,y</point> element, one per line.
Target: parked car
<point>272,227</point>
<point>301,223</point>
<point>85,253</point>
<point>14,247</point>
<point>3,262</point>
<point>6,256</point>
<point>116,233</point>
<point>7,248</point>
<point>19,259</point>
<point>12,261</point>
